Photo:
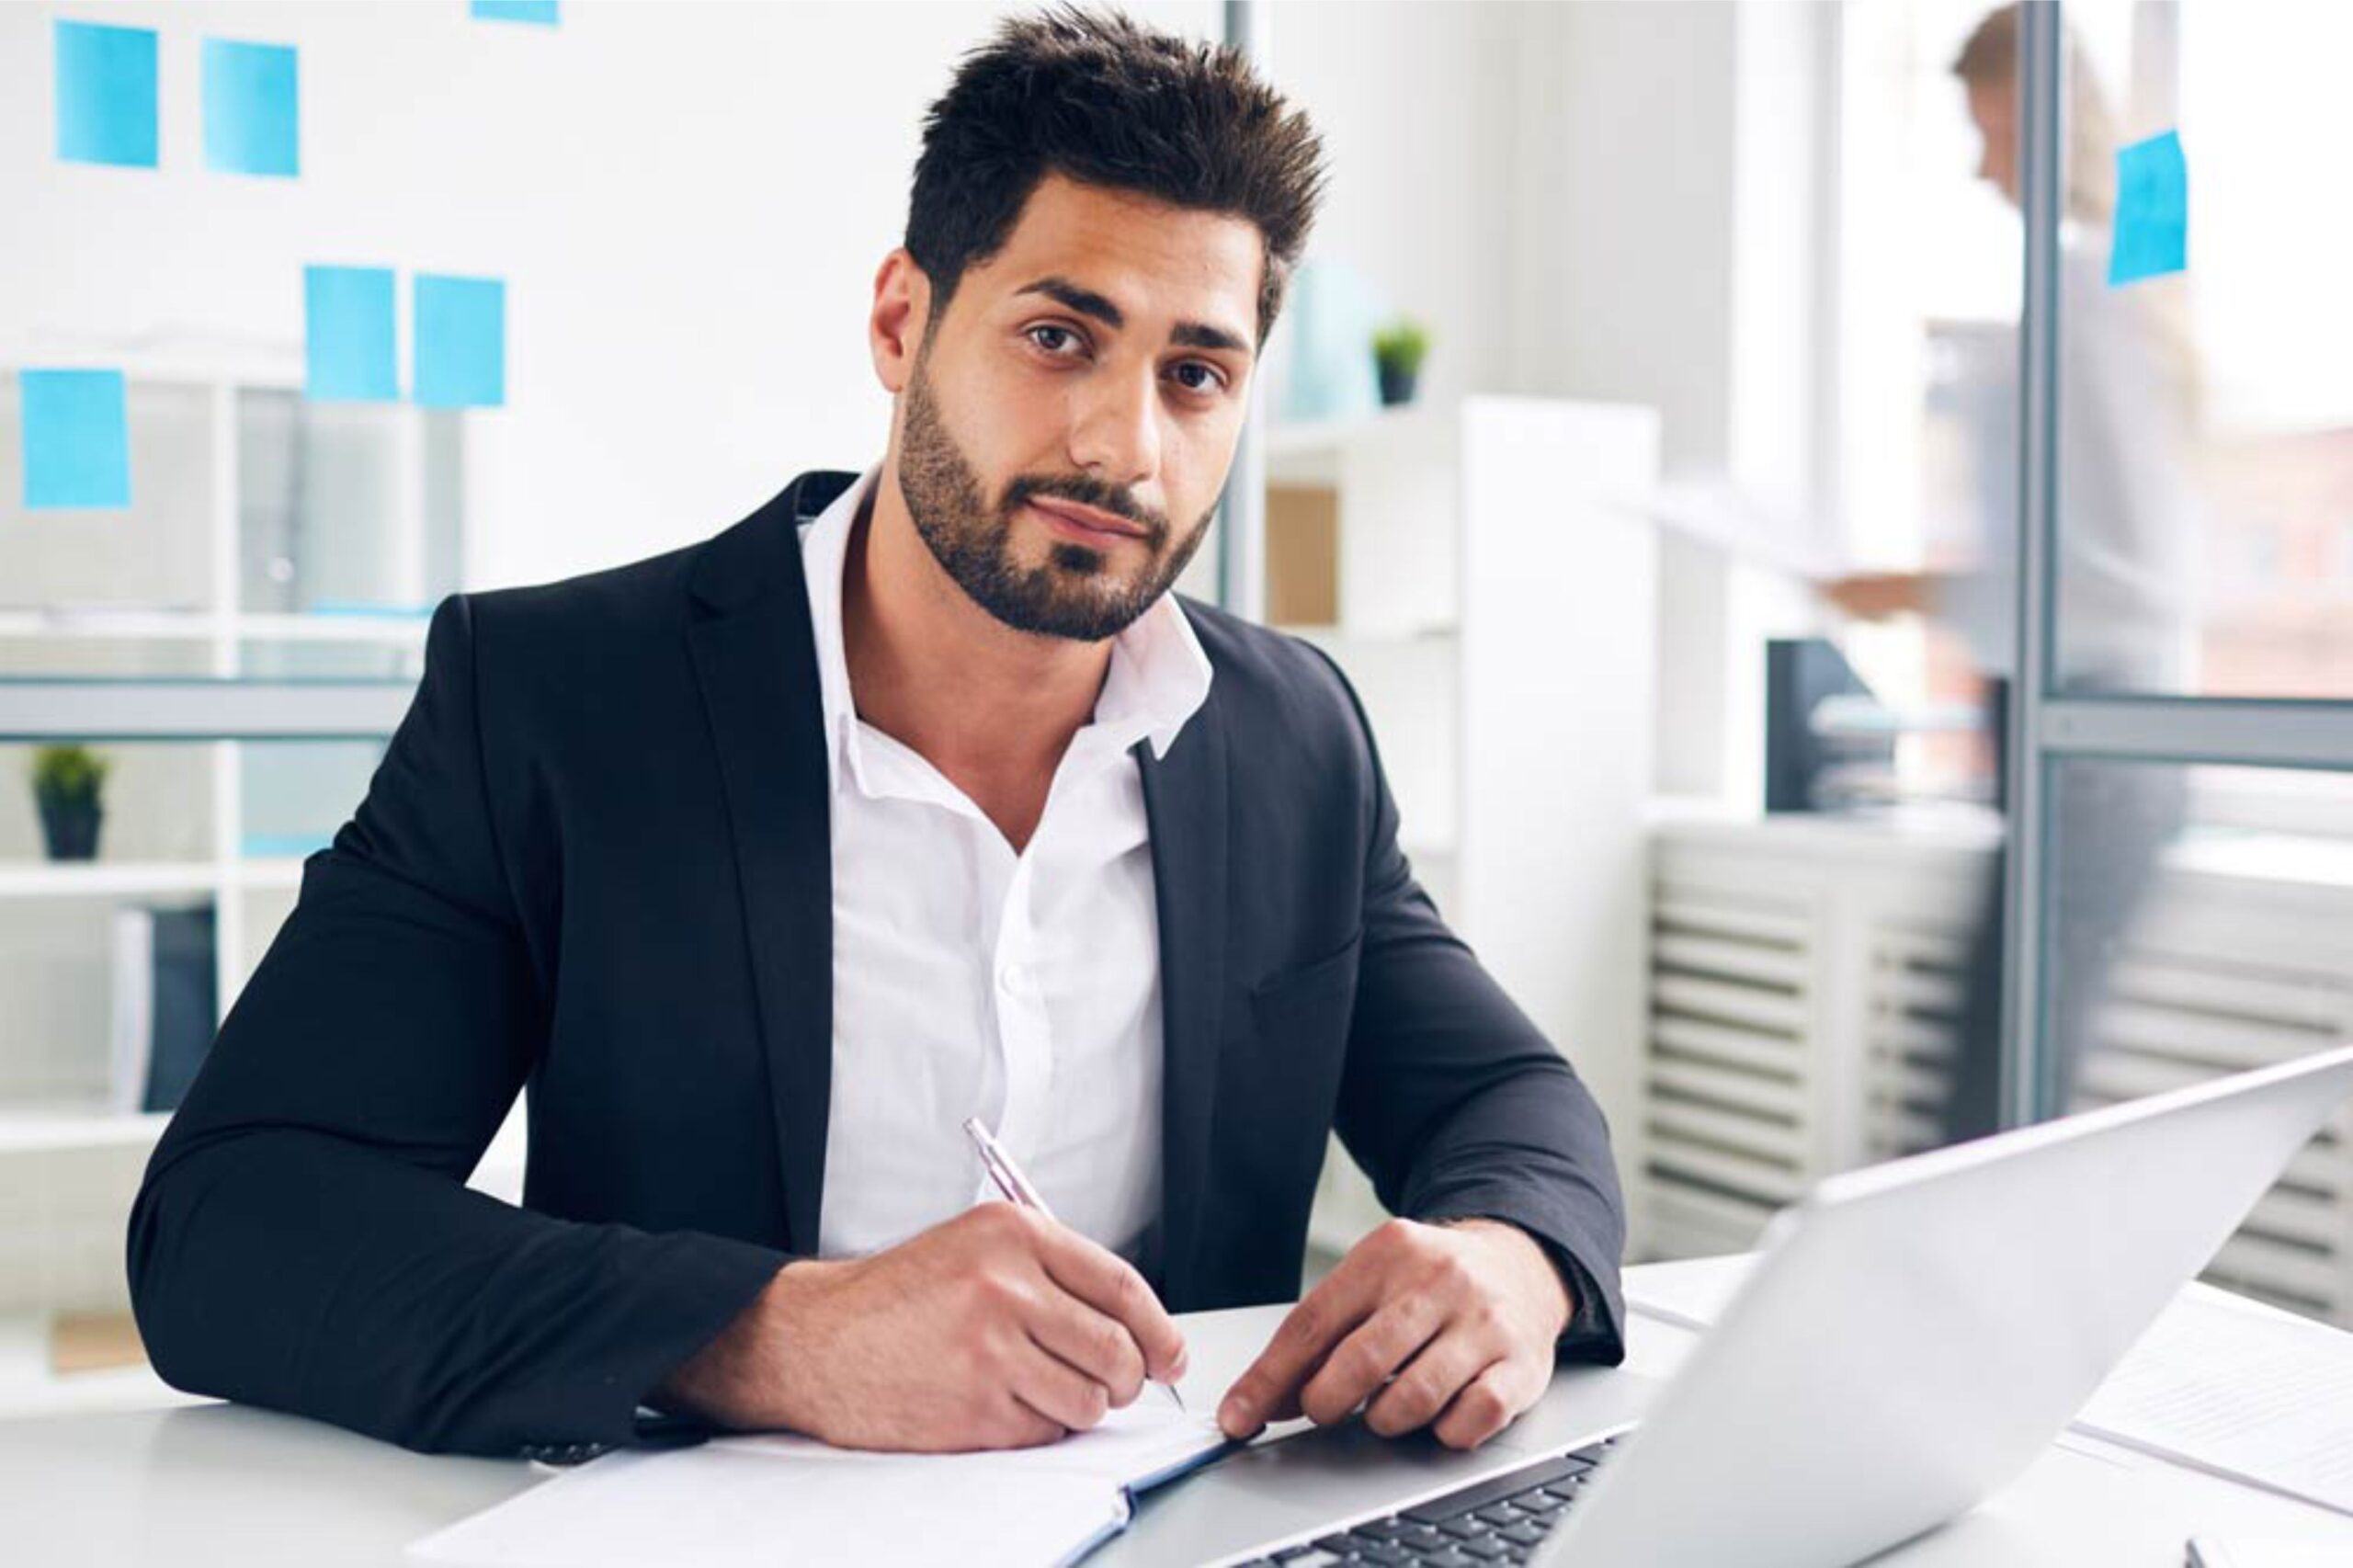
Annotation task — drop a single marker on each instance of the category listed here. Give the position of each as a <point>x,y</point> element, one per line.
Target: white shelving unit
<point>1493,583</point>
<point>100,625</point>
<point>168,593</point>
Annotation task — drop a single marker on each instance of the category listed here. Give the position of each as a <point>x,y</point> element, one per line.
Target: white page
<point>2258,1398</point>
<point>1690,1293</point>
<point>2219,1382</point>
<point>2249,1553</point>
<point>1131,1445</point>
<point>1717,512</point>
<point>722,1503</point>
<point>778,1497</point>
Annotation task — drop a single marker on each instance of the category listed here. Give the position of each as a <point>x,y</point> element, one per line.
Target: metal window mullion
<point>2026,1077</point>
<point>1242,530</point>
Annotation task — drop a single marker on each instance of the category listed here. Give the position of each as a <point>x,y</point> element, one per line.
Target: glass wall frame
<point>2056,723</point>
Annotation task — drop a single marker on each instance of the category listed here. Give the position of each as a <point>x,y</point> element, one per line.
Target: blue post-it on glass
<point>252,109</point>
<point>2152,210</point>
<point>461,327</point>
<point>347,350</point>
<point>76,438</point>
<point>106,95</point>
<point>540,13</point>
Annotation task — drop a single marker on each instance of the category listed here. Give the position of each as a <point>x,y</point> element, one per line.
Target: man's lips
<point>1085,521</point>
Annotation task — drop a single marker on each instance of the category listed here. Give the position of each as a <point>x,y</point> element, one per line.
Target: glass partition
<point>2205,413</point>
<point>2181,896</point>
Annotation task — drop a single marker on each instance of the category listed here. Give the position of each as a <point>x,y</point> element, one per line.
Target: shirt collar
<point>1159,679</point>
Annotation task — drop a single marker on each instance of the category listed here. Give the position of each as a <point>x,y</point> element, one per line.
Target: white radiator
<point>1805,984</point>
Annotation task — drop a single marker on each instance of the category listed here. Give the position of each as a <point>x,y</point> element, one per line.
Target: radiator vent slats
<point>1803,1019</point>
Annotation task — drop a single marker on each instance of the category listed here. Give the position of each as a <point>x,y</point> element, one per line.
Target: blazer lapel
<point>755,656</point>
<point>1184,806</point>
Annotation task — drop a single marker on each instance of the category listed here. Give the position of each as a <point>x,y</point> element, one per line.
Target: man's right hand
<point>996,1329</point>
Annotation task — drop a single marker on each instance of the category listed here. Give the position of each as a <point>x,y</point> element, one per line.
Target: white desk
<point>212,1483</point>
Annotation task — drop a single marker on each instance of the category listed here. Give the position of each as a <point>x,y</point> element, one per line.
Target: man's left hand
<point>1450,1326</point>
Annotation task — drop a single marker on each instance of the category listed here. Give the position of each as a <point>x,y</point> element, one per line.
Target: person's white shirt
<point>972,980</point>
<point>2126,519</point>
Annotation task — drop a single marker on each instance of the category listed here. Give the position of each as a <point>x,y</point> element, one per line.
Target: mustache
<point>1087,493</point>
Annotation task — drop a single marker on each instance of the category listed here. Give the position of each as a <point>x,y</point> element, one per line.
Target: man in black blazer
<point>598,861</point>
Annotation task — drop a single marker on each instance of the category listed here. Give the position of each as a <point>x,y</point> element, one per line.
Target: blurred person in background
<point>2127,398</point>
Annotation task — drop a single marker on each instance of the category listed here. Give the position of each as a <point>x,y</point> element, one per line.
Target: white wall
<point>1415,105</point>
<point>687,202</point>
<point>1621,276</point>
<point>1671,250</point>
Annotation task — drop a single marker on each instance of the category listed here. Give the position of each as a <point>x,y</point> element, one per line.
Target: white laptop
<point>1912,1338</point>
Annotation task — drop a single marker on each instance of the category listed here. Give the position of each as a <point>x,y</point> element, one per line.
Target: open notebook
<point>750,1499</point>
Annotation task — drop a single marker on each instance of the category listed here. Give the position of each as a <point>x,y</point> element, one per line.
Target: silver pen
<point>1015,1186</point>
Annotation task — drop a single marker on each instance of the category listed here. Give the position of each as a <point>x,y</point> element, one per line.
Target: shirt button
<point>1015,979</point>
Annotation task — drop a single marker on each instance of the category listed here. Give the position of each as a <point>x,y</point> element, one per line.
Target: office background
<point>448,299</point>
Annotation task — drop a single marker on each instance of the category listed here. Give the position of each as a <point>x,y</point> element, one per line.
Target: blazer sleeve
<point>305,1238</point>
<point>1455,1104</point>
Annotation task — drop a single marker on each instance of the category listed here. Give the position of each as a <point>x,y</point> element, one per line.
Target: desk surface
<point>215,1483</point>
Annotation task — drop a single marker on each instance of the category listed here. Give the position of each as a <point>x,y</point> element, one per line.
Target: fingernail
<point>1234,1415</point>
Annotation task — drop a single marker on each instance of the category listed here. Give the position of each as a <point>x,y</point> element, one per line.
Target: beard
<point>1075,593</point>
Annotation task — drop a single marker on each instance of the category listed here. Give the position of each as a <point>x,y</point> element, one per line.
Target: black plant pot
<point>1396,384</point>
<point>72,828</point>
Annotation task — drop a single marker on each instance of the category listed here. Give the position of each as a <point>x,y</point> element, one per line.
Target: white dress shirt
<point>971,981</point>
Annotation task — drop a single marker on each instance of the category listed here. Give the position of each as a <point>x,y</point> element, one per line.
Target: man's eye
<point>1211,380</point>
<point>1037,335</point>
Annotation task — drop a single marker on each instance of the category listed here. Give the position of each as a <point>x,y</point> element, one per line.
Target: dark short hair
<point>1105,101</point>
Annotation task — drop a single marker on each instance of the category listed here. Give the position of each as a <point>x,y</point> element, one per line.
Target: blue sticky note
<point>252,109</point>
<point>461,327</point>
<point>347,350</point>
<point>540,13</point>
<point>2152,210</point>
<point>106,95</point>
<point>76,438</point>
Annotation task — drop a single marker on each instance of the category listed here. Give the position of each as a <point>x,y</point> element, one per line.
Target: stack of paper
<point>765,1499</point>
<point>2234,1390</point>
<point>2220,1383</point>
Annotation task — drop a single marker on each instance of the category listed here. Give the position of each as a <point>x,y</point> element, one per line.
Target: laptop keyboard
<point>1500,1521</point>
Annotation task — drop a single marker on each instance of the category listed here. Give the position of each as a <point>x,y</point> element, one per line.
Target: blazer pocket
<point>1283,990</point>
<point>1283,1078</point>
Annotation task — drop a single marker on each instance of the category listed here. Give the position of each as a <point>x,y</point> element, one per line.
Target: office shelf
<point>98,879</point>
<point>76,1123</point>
<point>274,548</point>
<point>1467,567</point>
<point>403,627</point>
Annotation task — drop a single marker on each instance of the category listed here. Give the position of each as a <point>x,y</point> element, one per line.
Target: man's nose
<point>1116,435</point>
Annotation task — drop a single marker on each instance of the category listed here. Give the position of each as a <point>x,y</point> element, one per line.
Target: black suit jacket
<point>596,859</point>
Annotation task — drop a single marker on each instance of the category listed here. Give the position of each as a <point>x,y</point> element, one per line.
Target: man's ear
<point>902,309</point>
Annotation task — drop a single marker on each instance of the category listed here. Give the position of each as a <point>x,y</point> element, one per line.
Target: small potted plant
<point>1398,350</point>
<point>67,781</point>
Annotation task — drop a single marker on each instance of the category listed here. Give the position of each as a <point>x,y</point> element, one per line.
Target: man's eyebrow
<point>1087,303</point>
<point>1200,334</point>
